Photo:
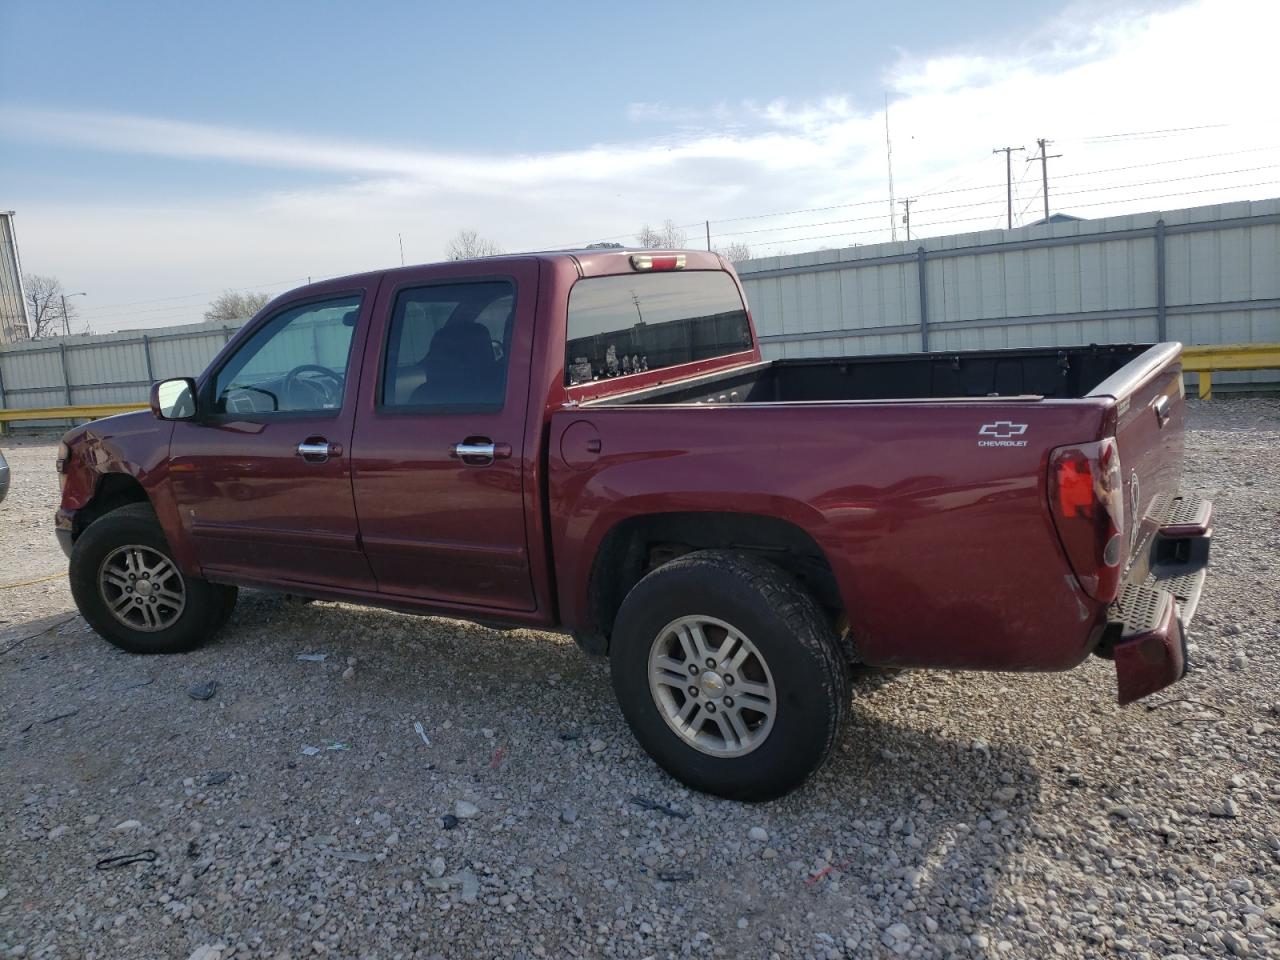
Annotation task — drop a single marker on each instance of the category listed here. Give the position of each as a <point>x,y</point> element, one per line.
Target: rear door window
<point>631,323</point>
<point>447,347</point>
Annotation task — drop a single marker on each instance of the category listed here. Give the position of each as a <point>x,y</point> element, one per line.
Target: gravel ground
<point>968,815</point>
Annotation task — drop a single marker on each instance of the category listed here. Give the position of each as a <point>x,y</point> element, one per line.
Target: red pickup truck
<point>589,440</point>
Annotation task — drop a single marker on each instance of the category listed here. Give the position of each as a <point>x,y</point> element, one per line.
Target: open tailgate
<point>1167,533</point>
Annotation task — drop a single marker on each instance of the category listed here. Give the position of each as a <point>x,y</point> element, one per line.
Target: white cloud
<point>1088,72</point>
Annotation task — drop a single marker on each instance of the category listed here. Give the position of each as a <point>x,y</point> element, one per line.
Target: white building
<point>14,325</point>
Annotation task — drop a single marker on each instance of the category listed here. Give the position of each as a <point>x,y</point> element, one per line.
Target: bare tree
<point>45,306</point>
<point>666,237</point>
<point>735,252</point>
<point>235,305</point>
<point>469,245</point>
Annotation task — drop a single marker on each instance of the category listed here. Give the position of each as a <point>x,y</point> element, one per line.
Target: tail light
<point>1086,498</point>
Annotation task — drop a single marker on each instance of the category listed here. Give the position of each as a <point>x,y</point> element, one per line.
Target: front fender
<point>133,446</point>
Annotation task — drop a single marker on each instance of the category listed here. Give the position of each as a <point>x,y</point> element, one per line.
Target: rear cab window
<point>620,325</point>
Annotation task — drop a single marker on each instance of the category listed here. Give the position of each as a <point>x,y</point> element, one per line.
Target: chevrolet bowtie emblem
<point>1002,430</point>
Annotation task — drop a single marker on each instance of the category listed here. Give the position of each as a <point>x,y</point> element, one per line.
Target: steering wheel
<point>326,385</point>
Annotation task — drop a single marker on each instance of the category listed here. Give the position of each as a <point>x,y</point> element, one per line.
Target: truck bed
<point>918,476</point>
<point>1054,372</point>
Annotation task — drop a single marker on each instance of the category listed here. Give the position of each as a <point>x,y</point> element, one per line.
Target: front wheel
<point>729,675</point>
<point>128,587</point>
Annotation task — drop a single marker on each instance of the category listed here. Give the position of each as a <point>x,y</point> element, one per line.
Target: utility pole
<point>400,237</point>
<point>1044,159</point>
<point>906,217</point>
<point>708,226</point>
<point>66,321</point>
<point>1008,177</point>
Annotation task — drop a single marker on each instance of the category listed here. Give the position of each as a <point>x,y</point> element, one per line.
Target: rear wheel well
<point>639,545</point>
<point>114,490</point>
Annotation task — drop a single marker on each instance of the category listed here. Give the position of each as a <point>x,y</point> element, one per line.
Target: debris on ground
<point>648,804</point>
<point>421,731</point>
<point>202,691</point>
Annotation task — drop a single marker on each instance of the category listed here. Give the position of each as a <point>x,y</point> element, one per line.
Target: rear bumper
<point>1146,630</point>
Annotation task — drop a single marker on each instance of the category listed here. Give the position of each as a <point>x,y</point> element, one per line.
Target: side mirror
<point>173,399</point>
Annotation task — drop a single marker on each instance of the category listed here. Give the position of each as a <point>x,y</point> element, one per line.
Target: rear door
<point>438,458</point>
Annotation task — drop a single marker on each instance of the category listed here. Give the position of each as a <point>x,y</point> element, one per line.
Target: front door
<point>262,477</point>
<point>439,454</point>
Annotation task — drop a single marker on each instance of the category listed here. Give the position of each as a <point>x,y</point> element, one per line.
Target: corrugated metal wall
<point>108,368</point>
<point>1091,281</point>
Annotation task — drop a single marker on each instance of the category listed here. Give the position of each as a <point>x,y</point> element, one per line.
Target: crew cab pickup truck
<point>590,441</point>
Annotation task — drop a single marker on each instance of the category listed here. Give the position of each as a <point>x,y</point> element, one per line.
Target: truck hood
<point>133,424</point>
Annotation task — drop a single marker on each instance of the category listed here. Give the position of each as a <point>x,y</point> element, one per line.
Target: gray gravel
<point>298,811</point>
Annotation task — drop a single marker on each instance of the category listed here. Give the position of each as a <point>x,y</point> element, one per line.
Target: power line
<point>1149,183</point>
<point>1164,163</point>
<point>190,296</point>
<point>1144,134</point>
<point>789,213</point>
<point>1181,193</point>
<point>1027,206</point>
<point>1017,189</point>
<point>938,223</point>
<point>936,193</point>
<point>982,203</point>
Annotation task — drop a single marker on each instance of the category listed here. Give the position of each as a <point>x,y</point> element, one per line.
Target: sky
<point>158,153</point>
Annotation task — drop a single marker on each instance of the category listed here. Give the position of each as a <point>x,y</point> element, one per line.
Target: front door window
<point>294,363</point>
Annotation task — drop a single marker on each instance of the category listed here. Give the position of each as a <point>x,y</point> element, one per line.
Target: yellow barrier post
<point>1206,359</point>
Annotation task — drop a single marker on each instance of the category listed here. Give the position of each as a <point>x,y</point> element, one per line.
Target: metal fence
<point>1203,275</point>
<point>105,368</point>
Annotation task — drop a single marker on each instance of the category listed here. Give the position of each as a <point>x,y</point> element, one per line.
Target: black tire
<point>811,676</point>
<point>207,606</point>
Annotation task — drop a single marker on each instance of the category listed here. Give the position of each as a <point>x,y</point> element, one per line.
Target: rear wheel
<point>128,587</point>
<point>729,675</point>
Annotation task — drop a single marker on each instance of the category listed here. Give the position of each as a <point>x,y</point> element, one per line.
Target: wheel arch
<point>112,491</point>
<point>636,545</point>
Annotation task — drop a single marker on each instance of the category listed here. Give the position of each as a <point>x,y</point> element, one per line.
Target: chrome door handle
<point>476,452</point>
<point>318,451</point>
<point>1161,406</point>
